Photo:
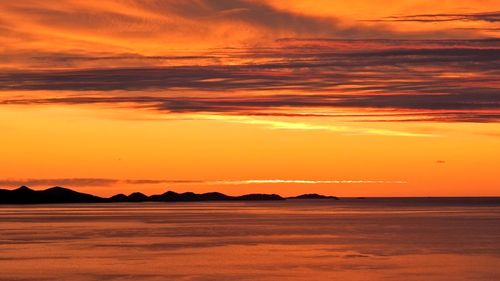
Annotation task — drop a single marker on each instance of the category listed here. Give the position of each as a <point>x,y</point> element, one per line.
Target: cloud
<point>59,182</point>
<point>317,70</point>
<point>79,182</point>
<point>287,181</point>
<point>467,107</point>
<point>491,17</point>
<point>264,181</point>
<point>273,124</point>
<point>250,12</point>
<point>157,28</point>
<point>153,26</point>
<point>156,181</point>
<point>436,80</point>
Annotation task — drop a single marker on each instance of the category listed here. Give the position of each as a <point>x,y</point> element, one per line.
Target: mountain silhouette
<point>137,197</point>
<point>26,195</point>
<point>259,197</point>
<point>133,197</point>
<point>118,198</point>
<point>171,196</point>
<point>313,196</point>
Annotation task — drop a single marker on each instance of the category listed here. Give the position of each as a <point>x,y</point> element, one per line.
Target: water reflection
<point>390,239</point>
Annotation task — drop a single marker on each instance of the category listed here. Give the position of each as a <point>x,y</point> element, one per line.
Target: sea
<point>400,239</point>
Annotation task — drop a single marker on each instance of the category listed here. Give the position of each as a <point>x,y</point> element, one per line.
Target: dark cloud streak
<point>87,182</point>
<point>491,17</point>
<point>60,182</point>
<point>448,75</point>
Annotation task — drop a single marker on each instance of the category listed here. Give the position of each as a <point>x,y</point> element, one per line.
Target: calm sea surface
<point>350,239</point>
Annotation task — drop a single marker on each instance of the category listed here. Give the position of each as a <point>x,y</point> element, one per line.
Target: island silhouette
<point>54,195</point>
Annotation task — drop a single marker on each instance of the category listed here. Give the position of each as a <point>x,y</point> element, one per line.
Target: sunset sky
<point>347,98</point>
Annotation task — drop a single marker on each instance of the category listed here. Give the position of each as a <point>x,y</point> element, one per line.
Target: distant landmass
<point>26,195</point>
<point>313,196</point>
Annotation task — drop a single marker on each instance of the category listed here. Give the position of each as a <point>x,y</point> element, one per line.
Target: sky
<point>346,98</point>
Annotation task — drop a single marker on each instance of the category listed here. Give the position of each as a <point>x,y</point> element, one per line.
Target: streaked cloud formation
<point>84,182</point>
<point>154,26</point>
<point>443,80</point>
<point>58,182</point>
<point>122,52</point>
<point>487,17</point>
<point>282,181</point>
<point>287,125</point>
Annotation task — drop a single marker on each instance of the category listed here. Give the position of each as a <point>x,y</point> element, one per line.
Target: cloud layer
<point>90,182</point>
<point>492,17</point>
<point>247,58</point>
<point>446,80</point>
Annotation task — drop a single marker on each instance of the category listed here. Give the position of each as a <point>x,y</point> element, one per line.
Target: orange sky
<point>348,98</point>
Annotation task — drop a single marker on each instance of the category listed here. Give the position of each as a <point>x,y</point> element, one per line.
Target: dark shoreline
<point>60,195</point>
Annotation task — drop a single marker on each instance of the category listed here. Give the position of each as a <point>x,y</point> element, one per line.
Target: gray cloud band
<point>452,80</point>
<point>108,182</point>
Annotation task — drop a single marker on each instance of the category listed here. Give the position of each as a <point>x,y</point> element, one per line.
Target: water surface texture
<point>350,239</point>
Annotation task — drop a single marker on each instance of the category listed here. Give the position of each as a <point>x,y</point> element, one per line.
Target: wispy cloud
<point>83,182</point>
<point>446,17</point>
<point>274,124</point>
<point>288,181</point>
<point>60,182</point>
<point>110,26</point>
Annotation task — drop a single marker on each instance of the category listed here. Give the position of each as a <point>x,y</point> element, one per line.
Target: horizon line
<point>299,194</point>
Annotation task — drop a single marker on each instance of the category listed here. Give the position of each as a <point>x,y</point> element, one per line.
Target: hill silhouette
<point>313,196</point>
<point>26,195</point>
